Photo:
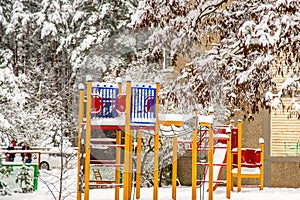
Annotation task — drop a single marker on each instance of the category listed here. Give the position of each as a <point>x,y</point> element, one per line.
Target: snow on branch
<point>252,35</point>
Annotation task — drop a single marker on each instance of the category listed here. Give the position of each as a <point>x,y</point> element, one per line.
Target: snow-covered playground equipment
<point>106,107</point>
<point>247,162</point>
<point>223,145</point>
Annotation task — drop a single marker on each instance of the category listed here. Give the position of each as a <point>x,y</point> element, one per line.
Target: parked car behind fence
<point>48,157</point>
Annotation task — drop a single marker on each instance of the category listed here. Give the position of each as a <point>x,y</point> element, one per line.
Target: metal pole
<point>36,176</point>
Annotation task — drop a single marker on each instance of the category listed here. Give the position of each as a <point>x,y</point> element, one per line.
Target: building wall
<point>285,173</point>
<point>279,171</point>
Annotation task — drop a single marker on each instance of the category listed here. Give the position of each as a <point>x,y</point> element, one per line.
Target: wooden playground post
<point>88,137</point>
<point>210,156</point>
<point>262,147</point>
<point>194,157</point>
<point>239,157</point>
<point>126,195</point>
<point>231,178</point>
<point>80,119</point>
<point>118,149</point>
<point>232,122</point>
<point>210,161</point>
<point>174,168</point>
<point>138,164</point>
<point>228,164</point>
<point>118,161</point>
<point>130,165</point>
<point>156,143</point>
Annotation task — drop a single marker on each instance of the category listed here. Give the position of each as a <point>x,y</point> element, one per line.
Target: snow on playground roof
<point>102,84</point>
<point>115,85</point>
<point>187,120</point>
<point>184,118</point>
<point>206,119</point>
<point>136,84</point>
<point>221,136</point>
<point>175,117</point>
<point>120,121</point>
<point>187,127</point>
<point>173,130</point>
<point>247,170</point>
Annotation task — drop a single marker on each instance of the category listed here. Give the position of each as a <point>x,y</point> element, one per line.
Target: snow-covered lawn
<point>165,193</point>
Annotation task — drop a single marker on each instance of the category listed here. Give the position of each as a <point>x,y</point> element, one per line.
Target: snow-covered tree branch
<point>233,49</point>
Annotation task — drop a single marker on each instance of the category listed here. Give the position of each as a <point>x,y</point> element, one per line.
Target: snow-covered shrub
<point>4,188</point>
<point>25,179</point>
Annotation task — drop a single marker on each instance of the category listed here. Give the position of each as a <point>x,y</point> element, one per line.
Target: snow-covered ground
<point>165,193</point>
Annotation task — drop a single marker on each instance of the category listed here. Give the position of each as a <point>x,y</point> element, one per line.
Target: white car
<point>51,158</point>
<point>54,157</point>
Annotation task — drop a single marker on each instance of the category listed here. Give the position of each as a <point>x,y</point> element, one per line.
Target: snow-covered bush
<point>4,188</point>
<point>25,179</point>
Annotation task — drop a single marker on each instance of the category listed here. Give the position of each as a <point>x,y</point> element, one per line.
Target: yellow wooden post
<point>156,143</point>
<point>232,122</point>
<point>228,164</point>
<point>118,161</point>
<point>130,151</point>
<point>126,195</point>
<point>231,178</point>
<point>210,161</point>
<point>239,157</point>
<point>210,156</point>
<point>118,150</point>
<point>130,165</point>
<point>174,168</point>
<point>88,138</point>
<point>138,165</point>
<point>262,147</point>
<point>80,120</point>
<point>194,157</point>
